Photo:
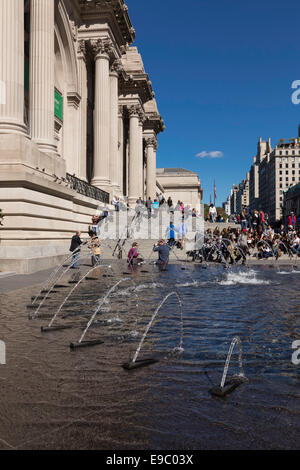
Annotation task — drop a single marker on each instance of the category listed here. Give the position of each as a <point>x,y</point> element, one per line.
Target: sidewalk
<point>11,281</point>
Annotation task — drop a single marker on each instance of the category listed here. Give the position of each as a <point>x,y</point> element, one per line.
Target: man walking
<point>75,249</point>
<point>149,207</point>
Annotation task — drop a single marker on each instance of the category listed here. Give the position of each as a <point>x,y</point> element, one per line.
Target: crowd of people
<point>256,238</point>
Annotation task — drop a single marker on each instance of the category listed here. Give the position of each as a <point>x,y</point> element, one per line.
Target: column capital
<point>116,67</point>
<point>101,48</point>
<point>151,142</point>
<point>142,117</point>
<point>134,111</point>
<point>81,49</point>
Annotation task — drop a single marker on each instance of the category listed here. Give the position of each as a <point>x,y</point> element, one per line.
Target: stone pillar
<point>101,177</point>
<point>134,155</point>
<point>83,109</point>
<point>12,66</point>
<point>42,74</point>
<point>151,146</point>
<point>114,129</point>
<point>121,150</point>
<point>141,159</point>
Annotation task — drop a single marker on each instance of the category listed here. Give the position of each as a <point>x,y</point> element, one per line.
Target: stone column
<point>114,129</point>
<point>83,109</point>
<point>134,155</point>
<point>151,146</point>
<point>141,158</point>
<point>101,177</point>
<point>12,66</point>
<point>121,149</point>
<point>42,74</point>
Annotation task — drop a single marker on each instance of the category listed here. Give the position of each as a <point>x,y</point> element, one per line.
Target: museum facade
<point>78,123</point>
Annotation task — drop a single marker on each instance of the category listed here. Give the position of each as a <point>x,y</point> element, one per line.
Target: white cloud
<point>213,154</point>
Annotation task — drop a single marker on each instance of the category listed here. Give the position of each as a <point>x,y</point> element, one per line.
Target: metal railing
<point>86,189</point>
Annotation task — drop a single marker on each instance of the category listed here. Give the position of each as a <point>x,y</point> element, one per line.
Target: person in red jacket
<point>291,220</point>
<point>262,219</point>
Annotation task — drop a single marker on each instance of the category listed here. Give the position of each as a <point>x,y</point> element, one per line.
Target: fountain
<point>54,285</point>
<point>135,363</point>
<point>81,343</point>
<point>46,284</point>
<point>50,327</point>
<point>226,388</point>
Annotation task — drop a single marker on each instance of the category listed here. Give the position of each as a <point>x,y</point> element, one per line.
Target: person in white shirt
<point>212,213</point>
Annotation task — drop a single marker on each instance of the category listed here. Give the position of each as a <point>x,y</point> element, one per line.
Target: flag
<point>215,191</point>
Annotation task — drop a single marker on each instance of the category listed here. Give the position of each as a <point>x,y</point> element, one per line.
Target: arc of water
<point>153,318</point>
<point>218,251</point>
<point>50,290</point>
<point>72,290</point>
<point>228,251</point>
<point>236,340</point>
<point>266,243</point>
<point>100,305</point>
<point>52,275</point>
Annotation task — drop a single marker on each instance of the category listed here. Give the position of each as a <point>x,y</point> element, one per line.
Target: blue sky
<point>222,73</point>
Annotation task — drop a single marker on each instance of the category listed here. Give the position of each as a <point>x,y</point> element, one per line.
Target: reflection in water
<point>53,398</point>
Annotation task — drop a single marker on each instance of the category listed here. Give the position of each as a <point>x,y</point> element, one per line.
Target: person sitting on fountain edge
<point>163,254</point>
<point>133,257</point>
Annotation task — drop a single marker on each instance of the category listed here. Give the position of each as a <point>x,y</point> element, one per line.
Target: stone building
<point>263,149</point>
<point>233,195</point>
<point>273,172</point>
<point>242,194</point>
<point>181,185</point>
<point>78,122</point>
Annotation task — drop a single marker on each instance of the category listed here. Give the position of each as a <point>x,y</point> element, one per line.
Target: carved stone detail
<point>101,47</point>
<point>134,110</point>
<point>151,142</point>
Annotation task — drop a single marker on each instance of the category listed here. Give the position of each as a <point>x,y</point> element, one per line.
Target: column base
<point>46,147</point>
<point>11,127</point>
<point>132,201</point>
<point>102,184</point>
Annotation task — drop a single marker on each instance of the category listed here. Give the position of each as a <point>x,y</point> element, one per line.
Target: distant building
<point>226,206</point>
<point>242,195</point>
<point>274,171</point>
<point>181,185</point>
<point>233,199</point>
<point>263,149</point>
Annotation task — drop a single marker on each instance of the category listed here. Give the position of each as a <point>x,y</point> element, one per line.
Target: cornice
<point>114,10</point>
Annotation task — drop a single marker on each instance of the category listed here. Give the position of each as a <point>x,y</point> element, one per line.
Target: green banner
<point>58,105</point>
